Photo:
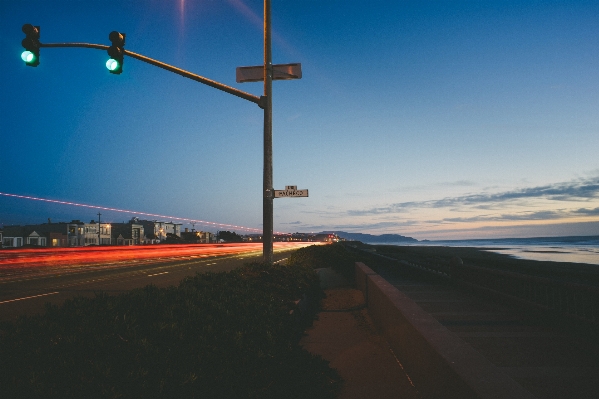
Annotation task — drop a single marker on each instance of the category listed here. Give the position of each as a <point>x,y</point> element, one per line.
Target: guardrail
<point>577,301</point>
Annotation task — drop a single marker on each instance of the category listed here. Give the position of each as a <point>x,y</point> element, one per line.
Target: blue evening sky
<point>432,119</point>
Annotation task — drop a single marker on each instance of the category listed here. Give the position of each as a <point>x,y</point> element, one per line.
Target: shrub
<point>335,256</point>
<point>216,335</point>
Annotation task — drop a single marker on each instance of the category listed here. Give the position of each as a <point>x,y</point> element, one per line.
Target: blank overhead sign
<point>280,72</point>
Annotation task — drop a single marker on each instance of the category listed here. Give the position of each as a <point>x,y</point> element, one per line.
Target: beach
<point>547,263</point>
<point>569,249</point>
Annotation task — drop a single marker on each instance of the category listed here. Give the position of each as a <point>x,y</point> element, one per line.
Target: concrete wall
<point>440,363</point>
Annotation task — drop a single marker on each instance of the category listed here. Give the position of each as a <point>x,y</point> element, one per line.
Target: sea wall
<point>441,364</point>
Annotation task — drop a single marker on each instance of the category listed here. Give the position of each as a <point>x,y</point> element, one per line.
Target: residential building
<point>12,237</point>
<point>74,234</point>
<point>56,239</point>
<point>155,230</point>
<point>131,233</point>
<point>83,234</point>
<point>207,237</point>
<point>18,236</point>
<point>197,237</point>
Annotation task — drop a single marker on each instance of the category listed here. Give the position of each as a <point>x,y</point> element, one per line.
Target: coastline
<point>440,257</point>
<point>580,250</point>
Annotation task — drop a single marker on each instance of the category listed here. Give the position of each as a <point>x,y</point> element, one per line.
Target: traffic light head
<point>31,43</point>
<point>116,52</point>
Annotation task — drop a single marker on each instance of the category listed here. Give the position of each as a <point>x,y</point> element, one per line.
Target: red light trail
<point>21,263</point>
<point>190,221</point>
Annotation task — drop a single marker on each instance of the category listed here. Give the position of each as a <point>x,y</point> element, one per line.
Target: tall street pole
<point>267,208</point>
<point>99,230</point>
<point>264,102</point>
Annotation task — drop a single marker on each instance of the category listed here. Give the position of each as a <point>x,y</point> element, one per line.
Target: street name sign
<point>279,72</point>
<point>291,191</point>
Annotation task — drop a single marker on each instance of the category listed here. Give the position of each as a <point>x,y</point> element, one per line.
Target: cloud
<point>361,227</point>
<point>587,212</point>
<point>575,201</point>
<point>519,216</point>
<point>459,183</point>
<point>577,190</point>
<point>519,230</point>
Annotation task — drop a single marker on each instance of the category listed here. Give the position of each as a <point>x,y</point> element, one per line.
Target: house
<point>55,233</point>
<point>191,237</point>
<point>33,238</point>
<point>157,231</point>
<point>56,239</point>
<point>97,234</point>
<point>131,233</point>
<point>75,233</point>
<point>18,236</point>
<point>12,237</point>
<point>207,237</point>
<point>83,234</point>
<point>197,237</point>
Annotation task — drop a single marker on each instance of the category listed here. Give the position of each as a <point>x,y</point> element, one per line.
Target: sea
<point>576,249</point>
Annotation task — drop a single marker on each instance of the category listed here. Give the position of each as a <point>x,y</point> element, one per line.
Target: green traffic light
<point>112,64</point>
<point>28,57</point>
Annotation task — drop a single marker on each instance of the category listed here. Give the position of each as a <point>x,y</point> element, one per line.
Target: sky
<point>429,119</point>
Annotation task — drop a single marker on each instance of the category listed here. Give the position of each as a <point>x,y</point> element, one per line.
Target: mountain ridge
<point>363,237</point>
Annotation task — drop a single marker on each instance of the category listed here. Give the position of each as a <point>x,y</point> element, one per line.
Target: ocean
<point>581,249</point>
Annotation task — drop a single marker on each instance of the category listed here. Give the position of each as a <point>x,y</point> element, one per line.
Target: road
<point>31,277</point>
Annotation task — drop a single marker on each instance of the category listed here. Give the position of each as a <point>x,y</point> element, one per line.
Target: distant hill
<point>372,238</point>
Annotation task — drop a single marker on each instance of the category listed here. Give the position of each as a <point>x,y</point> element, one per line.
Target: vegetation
<point>173,239</point>
<point>228,236</point>
<point>216,335</point>
<point>439,258</point>
<point>335,256</point>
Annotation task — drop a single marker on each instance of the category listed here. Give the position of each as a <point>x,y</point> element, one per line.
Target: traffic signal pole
<point>267,208</point>
<point>264,102</point>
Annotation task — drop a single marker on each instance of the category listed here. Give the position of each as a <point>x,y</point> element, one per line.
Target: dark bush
<point>335,256</point>
<point>224,335</point>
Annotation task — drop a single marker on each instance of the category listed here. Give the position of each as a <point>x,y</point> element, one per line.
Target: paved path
<point>344,335</point>
<point>544,360</point>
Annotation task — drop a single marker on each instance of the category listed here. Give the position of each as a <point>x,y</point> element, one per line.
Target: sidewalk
<point>345,335</point>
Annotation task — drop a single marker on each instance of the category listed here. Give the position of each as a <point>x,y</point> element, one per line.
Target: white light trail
<point>188,220</point>
<point>28,297</point>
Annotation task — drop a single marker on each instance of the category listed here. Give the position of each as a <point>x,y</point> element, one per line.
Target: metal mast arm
<point>178,71</point>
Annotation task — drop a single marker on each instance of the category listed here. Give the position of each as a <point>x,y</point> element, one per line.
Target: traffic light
<point>31,43</point>
<point>116,52</point>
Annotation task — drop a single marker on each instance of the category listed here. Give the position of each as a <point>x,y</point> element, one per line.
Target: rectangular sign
<point>291,193</point>
<point>279,72</point>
